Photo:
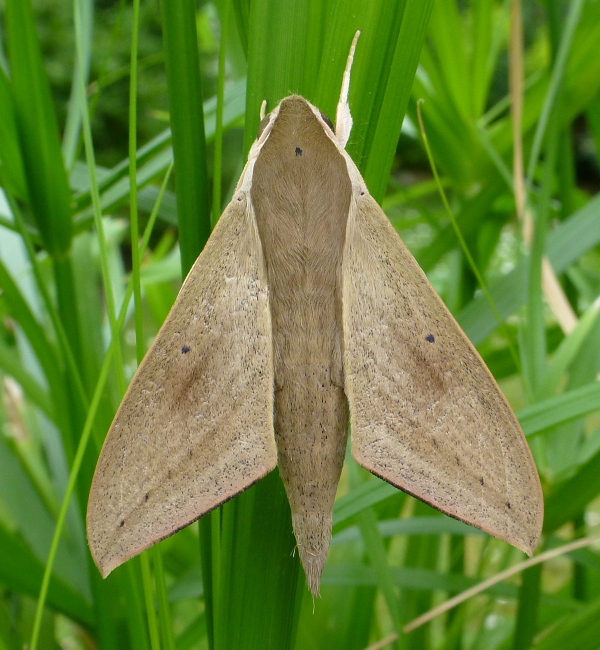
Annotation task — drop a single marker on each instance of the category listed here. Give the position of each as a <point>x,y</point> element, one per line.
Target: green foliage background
<point>70,339</point>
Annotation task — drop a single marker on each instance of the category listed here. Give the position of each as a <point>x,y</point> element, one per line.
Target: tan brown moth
<point>305,310</point>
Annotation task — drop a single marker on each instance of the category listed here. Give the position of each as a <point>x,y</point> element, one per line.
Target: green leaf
<point>48,189</point>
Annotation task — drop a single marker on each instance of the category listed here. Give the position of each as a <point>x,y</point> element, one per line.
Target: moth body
<point>302,228</point>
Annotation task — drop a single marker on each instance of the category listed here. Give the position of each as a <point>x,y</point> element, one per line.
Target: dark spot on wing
<point>121,523</point>
<point>298,151</point>
<point>508,505</point>
<point>481,480</point>
<point>430,338</point>
<point>185,349</point>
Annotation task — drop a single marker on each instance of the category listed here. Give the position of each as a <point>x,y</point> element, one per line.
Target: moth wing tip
<point>104,559</point>
<point>105,571</point>
<point>106,565</point>
<point>527,545</point>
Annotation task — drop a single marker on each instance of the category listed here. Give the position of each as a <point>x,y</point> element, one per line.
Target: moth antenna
<point>343,118</point>
<point>263,109</point>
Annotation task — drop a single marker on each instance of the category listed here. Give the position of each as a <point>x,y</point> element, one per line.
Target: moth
<point>306,312</point>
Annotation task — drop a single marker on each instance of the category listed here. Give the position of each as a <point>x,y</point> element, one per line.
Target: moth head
<point>327,121</point>
<point>267,122</point>
<point>266,125</point>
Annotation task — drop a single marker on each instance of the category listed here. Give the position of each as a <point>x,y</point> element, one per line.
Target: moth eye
<point>327,121</point>
<point>262,125</point>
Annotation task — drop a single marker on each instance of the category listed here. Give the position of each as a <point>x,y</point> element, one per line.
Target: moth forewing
<point>195,427</point>
<point>426,414</point>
